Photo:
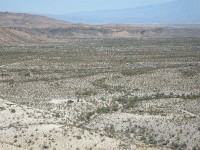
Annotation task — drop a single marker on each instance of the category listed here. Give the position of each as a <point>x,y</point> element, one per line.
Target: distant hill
<point>8,19</point>
<point>16,28</point>
<point>175,12</point>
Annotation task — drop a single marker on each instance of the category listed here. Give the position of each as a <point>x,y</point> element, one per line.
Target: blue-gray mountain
<point>176,12</point>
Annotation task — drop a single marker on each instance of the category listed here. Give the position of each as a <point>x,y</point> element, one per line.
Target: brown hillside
<point>9,35</point>
<point>29,21</point>
<point>27,28</point>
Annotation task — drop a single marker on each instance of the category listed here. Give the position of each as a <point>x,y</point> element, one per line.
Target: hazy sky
<point>67,6</point>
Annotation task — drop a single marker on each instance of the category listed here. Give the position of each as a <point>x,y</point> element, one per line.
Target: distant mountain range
<point>175,12</point>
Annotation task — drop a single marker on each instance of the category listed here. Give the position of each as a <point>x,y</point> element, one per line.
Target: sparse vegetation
<point>128,72</point>
<point>103,110</point>
<point>100,93</point>
<point>85,92</point>
<point>132,102</point>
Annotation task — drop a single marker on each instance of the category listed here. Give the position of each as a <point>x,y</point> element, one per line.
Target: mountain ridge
<point>175,12</point>
<point>29,28</point>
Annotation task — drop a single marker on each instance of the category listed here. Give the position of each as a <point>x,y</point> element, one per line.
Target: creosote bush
<point>57,115</point>
<point>86,92</point>
<point>132,102</point>
<point>12,111</point>
<point>105,110</point>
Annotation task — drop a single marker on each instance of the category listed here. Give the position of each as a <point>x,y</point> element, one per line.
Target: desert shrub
<point>45,146</point>
<point>101,83</point>
<point>178,146</point>
<point>143,138</point>
<point>114,108</point>
<point>133,72</point>
<point>188,73</point>
<point>86,92</point>
<point>128,72</point>
<point>132,102</point>
<point>110,130</point>
<point>121,100</point>
<point>105,86</point>
<point>159,95</point>
<point>190,96</point>
<point>57,115</point>
<point>89,115</point>
<point>12,111</point>
<point>78,137</point>
<point>11,81</point>
<point>105,110</point>
<point>119,88</point>
<point>2,108</point>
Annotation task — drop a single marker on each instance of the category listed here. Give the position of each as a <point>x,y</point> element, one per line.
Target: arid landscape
<point>72,86</point>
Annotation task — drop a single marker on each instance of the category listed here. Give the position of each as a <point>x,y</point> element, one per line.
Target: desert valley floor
<point>106,93</point>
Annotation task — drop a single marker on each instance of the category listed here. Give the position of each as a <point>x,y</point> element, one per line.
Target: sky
<point>70,6</point>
